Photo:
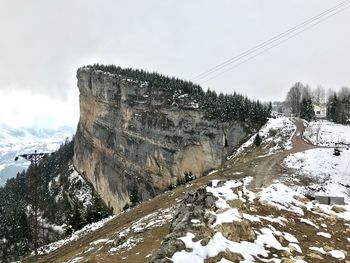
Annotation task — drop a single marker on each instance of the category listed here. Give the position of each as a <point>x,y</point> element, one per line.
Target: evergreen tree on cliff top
<point>222,107</point>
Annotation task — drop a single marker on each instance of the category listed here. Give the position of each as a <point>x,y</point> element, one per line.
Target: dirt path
<point>264,170</point>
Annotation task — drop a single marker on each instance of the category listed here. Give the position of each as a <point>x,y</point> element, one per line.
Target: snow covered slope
<point>318,171</point>
<point>14,141</point>
<point>276,135</point>
<point>276,224</point>
<point>324,172</point>
<point>326,133</point>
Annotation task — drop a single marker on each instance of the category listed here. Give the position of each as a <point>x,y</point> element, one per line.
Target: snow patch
<point>278,131</point>
<point>318,249</point>
<point>99,241</point>
<point>324,234</point>
<point>290,238</point>
<point>127,245</point>
<point>330,174</point>
<point>76,235</point>
<point>326,133</point>
<point>307,221</point>
<point>282,197</point>
<point>337,254</point>
<point>219,243</point>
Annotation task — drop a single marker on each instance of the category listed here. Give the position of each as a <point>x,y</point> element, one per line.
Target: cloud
<point>25,110</point>
<point>44,42</point>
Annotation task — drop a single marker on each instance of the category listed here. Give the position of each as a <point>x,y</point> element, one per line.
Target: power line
<point>271,47</point>
<point>317,19</point>
<point>271,40</point>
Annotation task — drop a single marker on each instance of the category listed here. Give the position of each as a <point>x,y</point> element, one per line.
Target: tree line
<point>57,206</point>
<point>338,106</point>
<point>301,100</point>
<point>220,107</point>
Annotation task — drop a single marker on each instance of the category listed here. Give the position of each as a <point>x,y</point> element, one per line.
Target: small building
<point>320,111</point>
<point>330,200</point>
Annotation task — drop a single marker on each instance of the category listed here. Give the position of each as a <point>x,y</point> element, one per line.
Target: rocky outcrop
<point>193,206</point>
<point>226,222</point>
<point>131,143</point>
<point>192,216</point>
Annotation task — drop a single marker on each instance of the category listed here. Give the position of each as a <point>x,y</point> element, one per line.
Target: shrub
<point>134,196</point>
<point>272,132</point>
<point>189,176</point>
<point>257,140</point>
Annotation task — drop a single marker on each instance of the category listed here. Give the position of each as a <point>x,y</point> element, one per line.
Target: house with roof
<point>320,111</point>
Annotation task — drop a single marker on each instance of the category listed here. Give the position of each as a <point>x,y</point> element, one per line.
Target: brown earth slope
<point>264,170</point>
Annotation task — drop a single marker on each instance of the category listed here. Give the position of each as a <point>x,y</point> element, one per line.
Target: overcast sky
<point>44,42</point>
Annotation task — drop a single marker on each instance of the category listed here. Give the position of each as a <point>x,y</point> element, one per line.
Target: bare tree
<point>319,95</point>
<point>306,92</point>
<point>294,97</point>
<point>330,93</point>
<point>344,93</point>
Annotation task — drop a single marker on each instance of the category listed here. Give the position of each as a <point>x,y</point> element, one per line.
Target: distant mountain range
<point>15,141</point>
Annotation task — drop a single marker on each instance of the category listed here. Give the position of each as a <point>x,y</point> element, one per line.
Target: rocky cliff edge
<point>131,143</point>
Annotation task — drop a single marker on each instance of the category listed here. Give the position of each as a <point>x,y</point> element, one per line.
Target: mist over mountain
<point>20,140</point>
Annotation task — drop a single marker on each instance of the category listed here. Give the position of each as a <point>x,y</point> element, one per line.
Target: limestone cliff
<point>129,141</point>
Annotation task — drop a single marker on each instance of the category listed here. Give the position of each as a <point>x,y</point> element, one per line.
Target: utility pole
<point>34,158</point>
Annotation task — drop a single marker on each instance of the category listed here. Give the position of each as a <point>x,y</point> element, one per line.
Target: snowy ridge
<point>276,135</point>
<point>83,193</point>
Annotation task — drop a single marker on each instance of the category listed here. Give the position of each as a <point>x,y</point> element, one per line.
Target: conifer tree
<point>220,107</point>
<point>307,109</point>
<point>257,140</point>
<point>96,211</point>
<point>75,219</point>
<point>134,195</point>
<point>346,104</point>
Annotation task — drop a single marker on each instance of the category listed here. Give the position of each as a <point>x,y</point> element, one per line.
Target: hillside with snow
<point>326,133</point>
<point>15,141</point>
<point>276,135</point>
<point>227,216</point>
<point>325,173</point>
<point>225,222</point>
<point>318,171</point>
<point>67,202</point>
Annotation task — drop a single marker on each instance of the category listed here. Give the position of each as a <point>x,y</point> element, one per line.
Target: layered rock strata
<point>131,144</point>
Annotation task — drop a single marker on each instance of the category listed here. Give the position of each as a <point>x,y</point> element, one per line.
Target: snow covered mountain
<point>15,141</point>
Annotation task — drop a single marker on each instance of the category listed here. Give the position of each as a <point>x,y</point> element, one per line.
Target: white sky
<point>42,43</point>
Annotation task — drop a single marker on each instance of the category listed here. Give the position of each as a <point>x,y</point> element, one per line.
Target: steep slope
<point>136,139</point>
<point>136,234</point>
<point>66,203</point>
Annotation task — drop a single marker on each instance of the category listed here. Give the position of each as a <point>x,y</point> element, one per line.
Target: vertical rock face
<point>129,141</point>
